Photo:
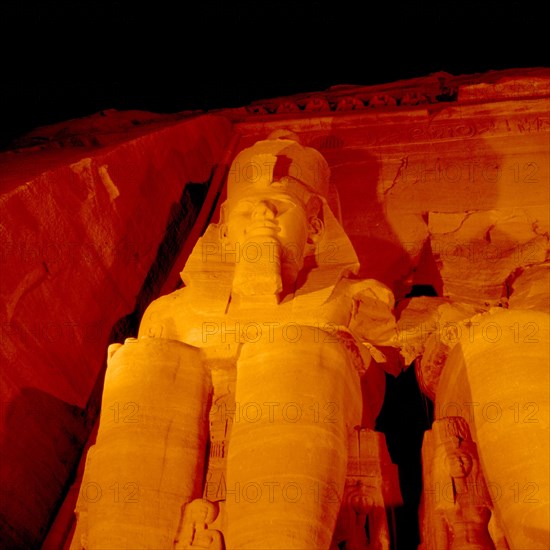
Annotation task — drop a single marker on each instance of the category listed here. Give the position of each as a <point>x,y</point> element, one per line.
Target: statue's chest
<point>241,326</point>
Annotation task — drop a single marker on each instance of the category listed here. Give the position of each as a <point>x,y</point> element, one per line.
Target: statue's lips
<point>262,228</point>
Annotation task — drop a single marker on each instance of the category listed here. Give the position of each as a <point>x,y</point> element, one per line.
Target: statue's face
<point>261,216</point>
<point>361,500</point>
<point>269,229</point>
<point>460,464</point>
<point>203,512</point>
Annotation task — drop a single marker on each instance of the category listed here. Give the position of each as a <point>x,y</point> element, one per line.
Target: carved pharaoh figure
<point>371,488</point>
<point>195,532</point>
<point>272,320</point>
<point>461,516</point>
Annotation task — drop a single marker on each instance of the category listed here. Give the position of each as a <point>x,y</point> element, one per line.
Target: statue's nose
<point>264,210</point>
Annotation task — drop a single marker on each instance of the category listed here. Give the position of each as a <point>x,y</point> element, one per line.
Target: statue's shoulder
<point>168,302</point>
<point>366,288</point>
<point>162,313</point>
<point>372,318</point>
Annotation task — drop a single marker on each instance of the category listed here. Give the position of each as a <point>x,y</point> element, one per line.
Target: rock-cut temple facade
<point>315,322</point>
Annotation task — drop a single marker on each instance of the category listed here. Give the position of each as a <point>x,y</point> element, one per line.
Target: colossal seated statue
<point>248,382</point>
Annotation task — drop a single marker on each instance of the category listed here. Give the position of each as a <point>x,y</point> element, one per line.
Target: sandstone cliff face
<point>82,225</point>
<point>440,186</point>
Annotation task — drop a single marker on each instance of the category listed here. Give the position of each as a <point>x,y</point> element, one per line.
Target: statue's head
<point>275,224</point>
<point>360,498</point>
<point>279,158</point>
<point>460,463</point>
<point>202,511</point>
<point>275,193</point>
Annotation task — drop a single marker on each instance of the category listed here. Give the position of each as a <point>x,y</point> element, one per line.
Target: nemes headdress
<point>279,162</point>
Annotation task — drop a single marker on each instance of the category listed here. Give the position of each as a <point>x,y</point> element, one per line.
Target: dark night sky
<point>64,60</point>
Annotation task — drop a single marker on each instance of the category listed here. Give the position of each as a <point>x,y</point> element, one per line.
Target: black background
<point>63,60</point>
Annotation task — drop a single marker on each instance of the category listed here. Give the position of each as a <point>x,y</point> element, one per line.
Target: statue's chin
<point>264,270</point>
<point>255,284</point>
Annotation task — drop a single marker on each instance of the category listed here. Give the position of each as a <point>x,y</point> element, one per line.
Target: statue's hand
<point>111,350</point>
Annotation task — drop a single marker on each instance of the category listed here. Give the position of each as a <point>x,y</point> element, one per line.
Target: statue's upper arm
<point>372,312</point>
<point>150,326</point>
<point>158,319</point>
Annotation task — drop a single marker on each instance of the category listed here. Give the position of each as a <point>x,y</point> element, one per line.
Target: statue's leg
<point>297,398</point>
<point>498,376</point>
<point>149,455</point>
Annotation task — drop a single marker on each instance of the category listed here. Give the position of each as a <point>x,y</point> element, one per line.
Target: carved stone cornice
<point>436,88</point>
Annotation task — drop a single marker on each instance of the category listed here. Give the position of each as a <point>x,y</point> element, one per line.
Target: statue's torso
<point>219,330</point>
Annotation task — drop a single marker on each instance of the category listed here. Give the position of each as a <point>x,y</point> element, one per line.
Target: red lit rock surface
<point>441,185</point>
<point>81,230</point>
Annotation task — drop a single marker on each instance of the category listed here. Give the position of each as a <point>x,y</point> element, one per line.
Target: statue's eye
<point>283,206</point>
<point>243,208</point>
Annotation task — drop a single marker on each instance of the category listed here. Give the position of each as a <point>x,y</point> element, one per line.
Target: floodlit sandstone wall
<point>441,185</point>
<point>82,222</point>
